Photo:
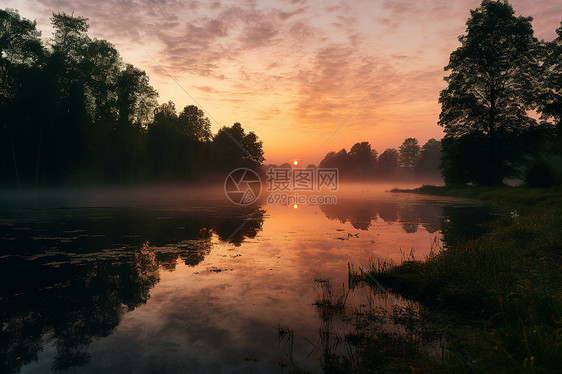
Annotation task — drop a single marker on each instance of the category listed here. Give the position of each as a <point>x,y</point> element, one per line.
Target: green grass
<point>504,289</point>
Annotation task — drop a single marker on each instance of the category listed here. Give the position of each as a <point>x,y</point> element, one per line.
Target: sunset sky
<point>294,71</point>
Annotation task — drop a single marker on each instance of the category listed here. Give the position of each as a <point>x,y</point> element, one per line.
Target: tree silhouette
<point>193,122</point>
<point>341,160</point>
<point>74,112</point>
<point>232,147</point>
<point>21,58</point>
<point>388,161</point>
<point>409,153</point>
<point>548,99</point>
<point>484,104</point>
<point>363,157</point>
<point>430,158</point>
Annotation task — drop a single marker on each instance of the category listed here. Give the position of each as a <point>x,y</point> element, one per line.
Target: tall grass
<point>506,286</point>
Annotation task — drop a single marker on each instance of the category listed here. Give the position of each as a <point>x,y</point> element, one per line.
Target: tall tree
<point>136,98</point>
<point>409,153</point>
<point>342,160</point>
<point>328,160</point>
<point>22,58</point>
<point>484,100</point>
<point>20,41</point>
<point>102,65</point>
<point>430,158</point>
<point>195,124</point>
<point>388,162</point>
<point>65,150</point>
<point>165,140</point>
<point>74,112</point>
<point>364,158</point>
<point>549,91</point>
<point>232,147</point>
<point>70,38</point>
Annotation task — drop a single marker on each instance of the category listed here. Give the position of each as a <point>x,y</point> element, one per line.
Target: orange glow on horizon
<point>331,80</point>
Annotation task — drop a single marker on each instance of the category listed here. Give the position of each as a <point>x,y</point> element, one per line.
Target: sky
<point>307,76</point>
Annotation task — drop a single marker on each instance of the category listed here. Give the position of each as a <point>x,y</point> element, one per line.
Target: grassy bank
<point>513,196</point>
<point>502,290</point>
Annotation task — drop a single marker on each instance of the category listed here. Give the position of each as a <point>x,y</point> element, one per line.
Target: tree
<point>22,58</point>
<point>232,148</point>
<point>430,158</point>
<point>409,153</point>
<point>484,100</point>
<point>65,151</point>
<point>70,38</point>
<point>548,100</point>
<point>136,99</point>
<point>166,142</point>
<point>388,161</point>
<point>341,160</point>
<point>328,160</point>
<point>20,41</point>
<point>102,65</point>
<point>195,124</point>
<point>74,112</point>
<point>363,157</point>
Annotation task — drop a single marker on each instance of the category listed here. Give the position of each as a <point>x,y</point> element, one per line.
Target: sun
<point>295,162</point>
<point>295,206</point>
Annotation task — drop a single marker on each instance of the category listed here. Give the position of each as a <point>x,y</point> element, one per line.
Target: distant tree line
<point>362,161</point>
<point>502,108</point>
<point>74,112</point>
<point>501,111</point>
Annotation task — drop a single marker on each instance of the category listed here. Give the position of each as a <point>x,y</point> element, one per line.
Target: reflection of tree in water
<point>388,211</point>
<point>461,224</point>
<point>409,218</point>
<point>74,302</point>
<point>235,230</point>
<point>358,213</point>
<point>457,223</point>
<point>361,214</point>
<point>70,278</point>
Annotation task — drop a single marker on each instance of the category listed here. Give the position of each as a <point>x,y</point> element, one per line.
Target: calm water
<point>178,280</point>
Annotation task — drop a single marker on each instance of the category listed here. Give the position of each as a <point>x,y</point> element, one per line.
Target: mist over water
<point>179,278</point>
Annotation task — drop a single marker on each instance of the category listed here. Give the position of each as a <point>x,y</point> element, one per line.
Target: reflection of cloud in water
<point>133,289</point>
<point>73,273</point>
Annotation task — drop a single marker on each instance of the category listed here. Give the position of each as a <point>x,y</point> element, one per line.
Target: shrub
<point>540,174</point>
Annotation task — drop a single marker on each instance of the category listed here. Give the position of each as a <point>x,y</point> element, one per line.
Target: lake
<point>180,280</point>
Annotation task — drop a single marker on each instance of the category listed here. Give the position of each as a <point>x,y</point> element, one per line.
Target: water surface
<point>177,280</point>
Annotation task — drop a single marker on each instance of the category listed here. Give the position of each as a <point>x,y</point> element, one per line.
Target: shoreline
<point>502,290</point>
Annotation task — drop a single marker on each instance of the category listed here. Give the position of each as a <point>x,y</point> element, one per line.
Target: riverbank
<point>510,196</point>
<point>500,294</point>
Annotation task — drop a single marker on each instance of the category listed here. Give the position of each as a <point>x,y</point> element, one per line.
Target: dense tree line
<point>362,161</point>
<point>73,112</point>
<point>499,76</point>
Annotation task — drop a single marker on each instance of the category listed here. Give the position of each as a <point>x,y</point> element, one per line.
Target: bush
<point>540,174</point>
